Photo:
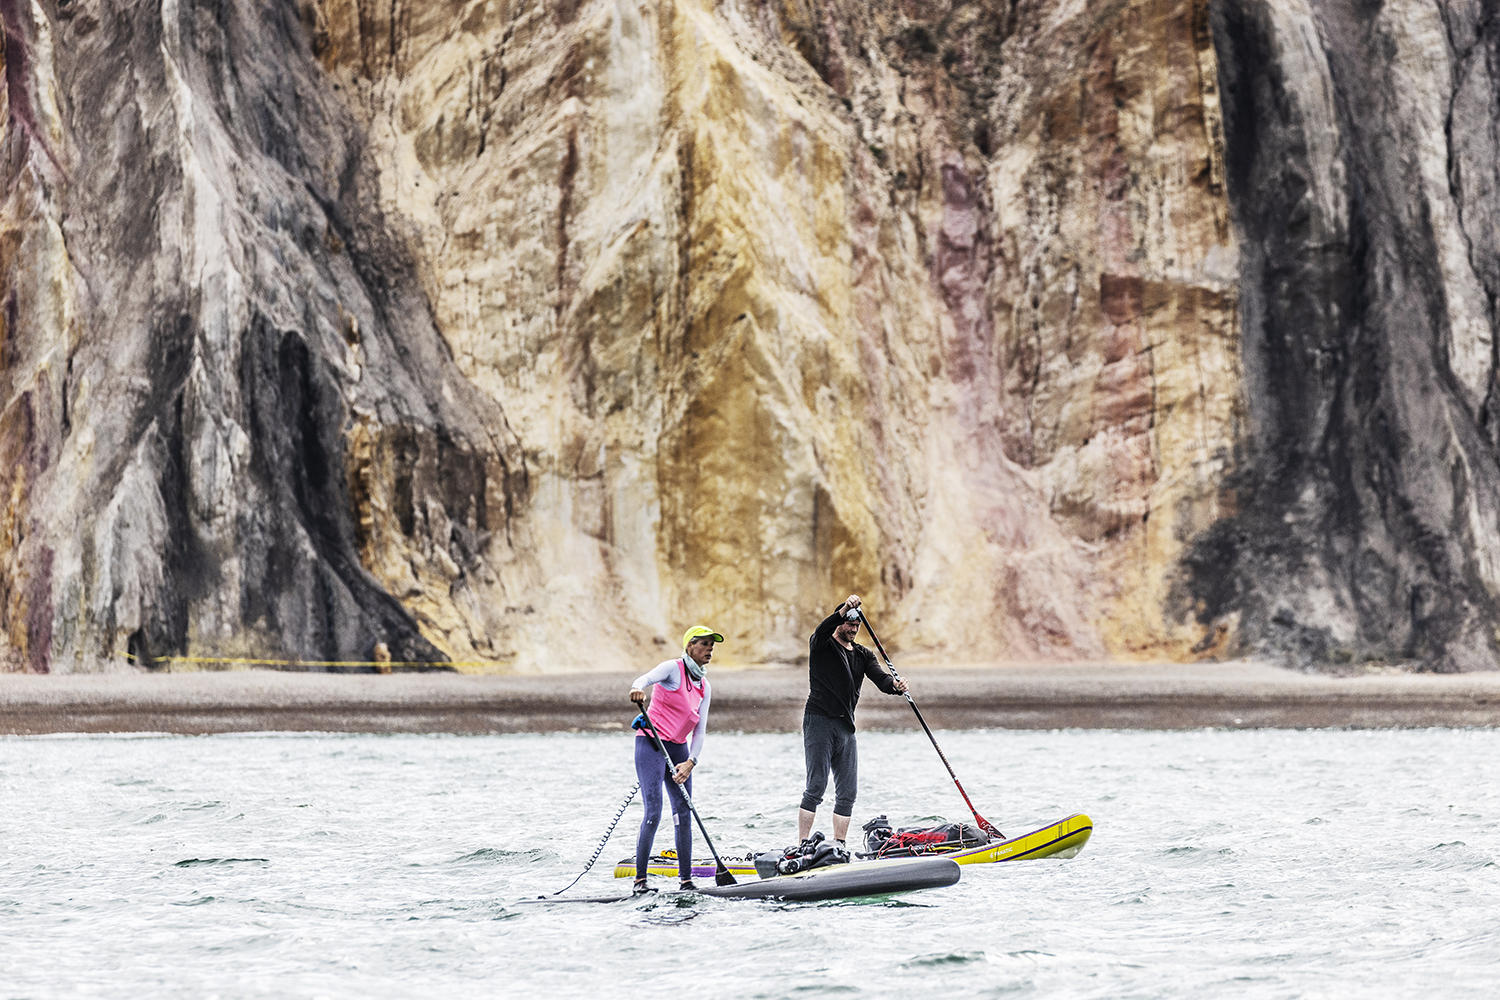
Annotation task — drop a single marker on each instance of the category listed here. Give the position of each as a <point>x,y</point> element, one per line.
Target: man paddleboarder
<point>836,668</point>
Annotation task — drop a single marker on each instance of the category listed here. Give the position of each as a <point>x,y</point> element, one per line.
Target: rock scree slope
<point>520,335</point>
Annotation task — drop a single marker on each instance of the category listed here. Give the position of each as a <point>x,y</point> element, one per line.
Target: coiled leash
<point>603,840</point>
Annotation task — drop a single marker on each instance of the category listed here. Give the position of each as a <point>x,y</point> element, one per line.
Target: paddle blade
<point>724,877</point>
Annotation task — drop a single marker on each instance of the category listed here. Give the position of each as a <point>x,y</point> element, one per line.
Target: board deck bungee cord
<point>1063,839</point>
<point>871,878</point>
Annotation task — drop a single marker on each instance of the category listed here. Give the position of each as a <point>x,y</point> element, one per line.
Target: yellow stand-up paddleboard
<point>1063,839</point>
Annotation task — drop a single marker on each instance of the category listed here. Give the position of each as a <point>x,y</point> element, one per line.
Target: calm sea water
<point>1223,864</point>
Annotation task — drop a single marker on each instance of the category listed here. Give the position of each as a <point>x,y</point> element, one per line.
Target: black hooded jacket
<point>835,674</point>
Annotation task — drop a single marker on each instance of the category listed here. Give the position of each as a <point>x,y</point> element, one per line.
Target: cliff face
<point>201,306</point>
<point>788,299</point>
<point>476,328</point>
<point>1362,144</point>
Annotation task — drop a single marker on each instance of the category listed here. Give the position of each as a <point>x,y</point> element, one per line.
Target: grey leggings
<point>828,744</point>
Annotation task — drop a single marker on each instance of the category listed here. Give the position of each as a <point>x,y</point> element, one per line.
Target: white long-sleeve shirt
<point>669,675</point>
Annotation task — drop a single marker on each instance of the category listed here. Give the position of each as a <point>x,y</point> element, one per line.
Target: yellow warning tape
<point>318,663</point>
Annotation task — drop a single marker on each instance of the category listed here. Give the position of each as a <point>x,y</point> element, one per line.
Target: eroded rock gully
<point>523,335</point>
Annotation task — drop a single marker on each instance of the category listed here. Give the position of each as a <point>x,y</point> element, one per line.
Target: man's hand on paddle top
<point>681,771</point>
<point>851,602</point>
<point>638,696</point>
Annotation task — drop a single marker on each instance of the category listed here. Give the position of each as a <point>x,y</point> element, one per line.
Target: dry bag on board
<point>883,842</point>
<point>814,852</point>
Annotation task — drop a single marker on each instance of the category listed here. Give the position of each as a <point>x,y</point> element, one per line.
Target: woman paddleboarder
<point>679,714</point>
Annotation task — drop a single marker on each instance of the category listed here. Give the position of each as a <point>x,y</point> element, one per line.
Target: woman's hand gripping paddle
<point>722,874</point>
<point>984,824</point>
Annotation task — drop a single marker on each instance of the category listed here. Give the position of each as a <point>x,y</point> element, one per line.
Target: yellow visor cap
<point>699,632</point>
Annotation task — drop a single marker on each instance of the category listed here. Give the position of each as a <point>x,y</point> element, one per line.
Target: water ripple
<point>1259,864</point>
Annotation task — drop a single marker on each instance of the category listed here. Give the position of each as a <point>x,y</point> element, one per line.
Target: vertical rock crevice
<point>1368,521</point>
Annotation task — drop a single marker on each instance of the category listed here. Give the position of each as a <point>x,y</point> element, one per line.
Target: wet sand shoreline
<point>1150,696</point>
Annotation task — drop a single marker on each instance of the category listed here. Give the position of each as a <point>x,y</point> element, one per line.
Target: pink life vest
<point>674,714</point>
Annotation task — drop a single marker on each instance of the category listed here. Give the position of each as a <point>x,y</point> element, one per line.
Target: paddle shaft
<point>722,874</point>
<point>984,824</point>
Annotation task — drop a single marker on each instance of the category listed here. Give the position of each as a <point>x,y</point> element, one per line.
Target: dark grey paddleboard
<point>876,878</point>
